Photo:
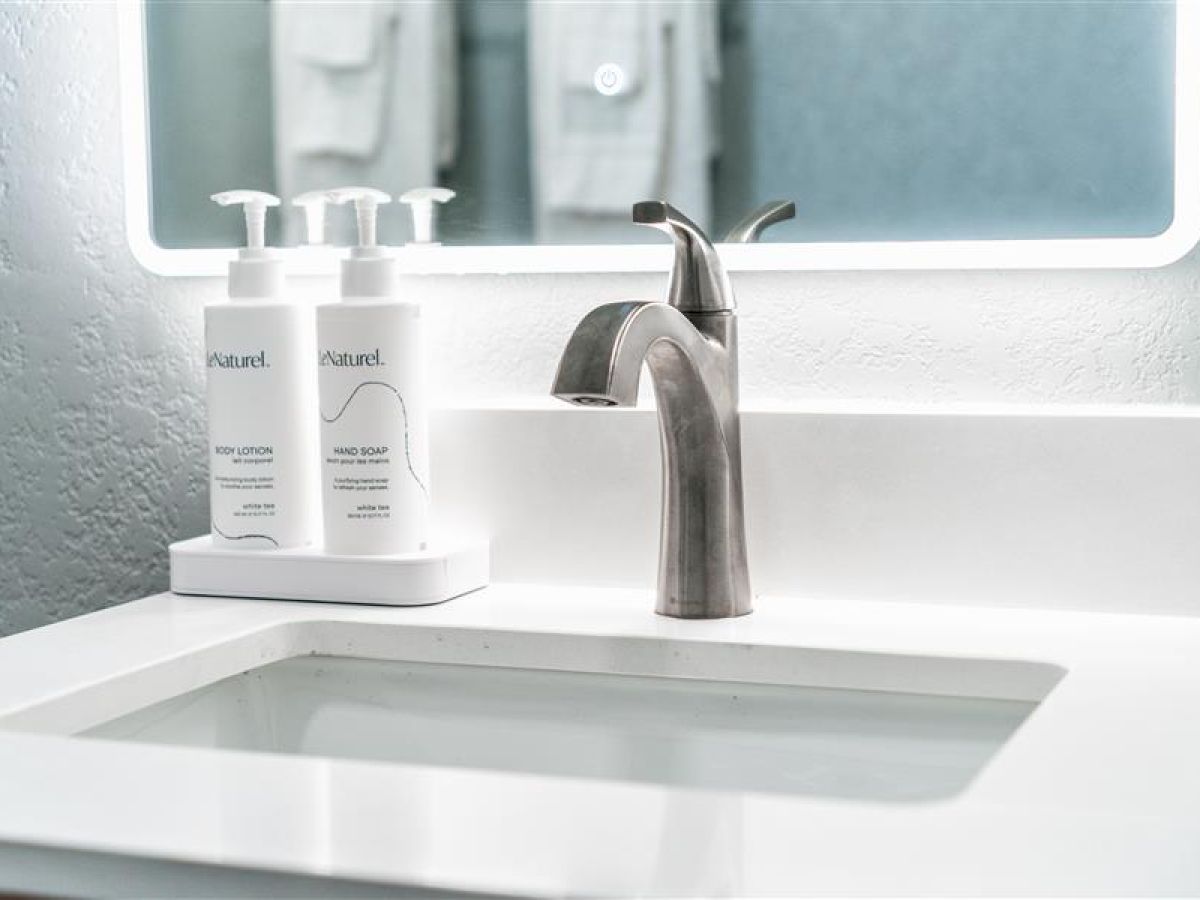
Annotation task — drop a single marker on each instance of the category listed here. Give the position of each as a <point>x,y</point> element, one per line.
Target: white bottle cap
<point>258,270</point>
<point>313,204</point>
<point>369,271</point>
<point>421,203</point>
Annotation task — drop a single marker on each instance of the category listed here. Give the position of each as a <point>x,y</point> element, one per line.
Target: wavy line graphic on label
<point>403,410</point>
<point>243,537</point>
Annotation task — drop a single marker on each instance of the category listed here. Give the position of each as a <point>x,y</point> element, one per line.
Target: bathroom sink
<point>531,741</point>
<point>793,738</point>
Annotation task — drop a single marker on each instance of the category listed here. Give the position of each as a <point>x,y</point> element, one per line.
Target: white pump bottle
<point>258,352</point>
<point>374,432</point>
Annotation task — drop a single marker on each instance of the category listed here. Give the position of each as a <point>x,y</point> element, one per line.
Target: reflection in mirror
<point>886,121</point>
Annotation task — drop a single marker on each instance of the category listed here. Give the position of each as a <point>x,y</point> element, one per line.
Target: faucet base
<point>703,614</point>
<point>697,603</point>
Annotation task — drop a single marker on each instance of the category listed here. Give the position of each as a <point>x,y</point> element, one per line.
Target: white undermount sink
<point>726,734</point>
<point>668,712</point>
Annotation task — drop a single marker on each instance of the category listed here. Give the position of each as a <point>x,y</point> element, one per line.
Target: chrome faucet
<point>690,346</point>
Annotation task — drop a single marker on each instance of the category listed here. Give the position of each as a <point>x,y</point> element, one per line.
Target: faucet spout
<point>703,571</point>
<point>602,362</point>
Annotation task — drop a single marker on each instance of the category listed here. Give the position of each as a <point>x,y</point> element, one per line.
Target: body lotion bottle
<point>374,438</point>
<point>258,351</point>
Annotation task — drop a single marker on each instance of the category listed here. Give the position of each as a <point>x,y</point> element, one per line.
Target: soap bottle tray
<point>447,569</point>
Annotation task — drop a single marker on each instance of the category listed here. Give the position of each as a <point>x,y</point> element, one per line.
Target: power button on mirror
<point>609,79</point>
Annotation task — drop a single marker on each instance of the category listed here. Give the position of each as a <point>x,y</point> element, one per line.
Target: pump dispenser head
<point>258,271</point>
<point>313,204</point>
<point>370,271</point>
<point>421,202</point>
<point>366,203</point>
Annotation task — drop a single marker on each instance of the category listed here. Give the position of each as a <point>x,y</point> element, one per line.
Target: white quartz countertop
<point>1098,792</point>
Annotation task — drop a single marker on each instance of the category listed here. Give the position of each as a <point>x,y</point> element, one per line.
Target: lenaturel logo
<point>219,360</point>
<point>369,359</point>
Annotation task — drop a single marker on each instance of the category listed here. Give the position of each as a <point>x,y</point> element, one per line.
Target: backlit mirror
<point>985,123</point>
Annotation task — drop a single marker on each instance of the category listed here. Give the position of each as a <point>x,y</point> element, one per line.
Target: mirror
<point>1017,131</point>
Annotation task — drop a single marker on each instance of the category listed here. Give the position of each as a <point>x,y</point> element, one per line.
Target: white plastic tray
<point>448,569</point>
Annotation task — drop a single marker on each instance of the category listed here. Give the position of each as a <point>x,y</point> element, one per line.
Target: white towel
<point>601,150</point>
<point>338,58</point>
<point>364,93</point>
<point>335,35</point>
<point>596,33</point>
<point>594,155</point>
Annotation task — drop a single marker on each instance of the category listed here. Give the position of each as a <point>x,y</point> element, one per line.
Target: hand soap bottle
<point>258,352</point>
<point>374,436</point>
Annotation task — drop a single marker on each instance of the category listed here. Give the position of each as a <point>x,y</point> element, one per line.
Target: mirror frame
<point>1142,252</point>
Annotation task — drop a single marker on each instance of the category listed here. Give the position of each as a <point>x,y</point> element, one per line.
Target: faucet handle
<point>698,280</point>
<point>751,226</point>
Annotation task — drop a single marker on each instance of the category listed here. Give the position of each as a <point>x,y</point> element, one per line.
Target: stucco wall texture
<point>101,378</point>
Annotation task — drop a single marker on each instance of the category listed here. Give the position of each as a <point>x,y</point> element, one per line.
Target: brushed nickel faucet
<point>689,344</point>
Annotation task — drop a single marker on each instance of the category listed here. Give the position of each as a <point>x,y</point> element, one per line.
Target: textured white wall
<point>101,420</point>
